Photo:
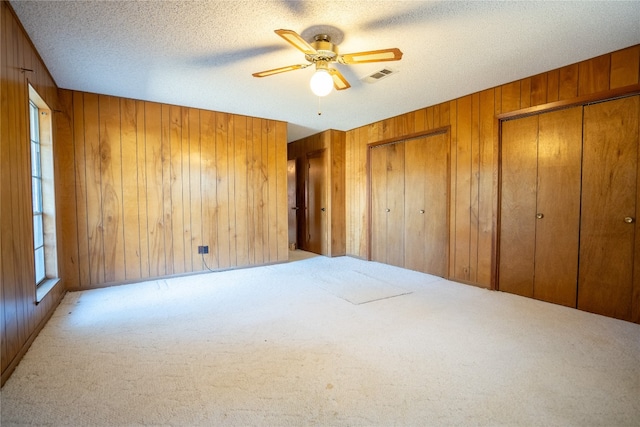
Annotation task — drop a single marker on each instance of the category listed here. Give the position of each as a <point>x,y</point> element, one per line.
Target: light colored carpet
<point>273,346</point>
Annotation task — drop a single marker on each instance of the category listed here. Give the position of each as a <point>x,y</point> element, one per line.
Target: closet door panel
<point>558,205</point>
<point>609,199</point>
<point>378,159</point>
<point>518,205</point>
<point>395,204</point>
<point>416,164</point>
<point>436,208</point>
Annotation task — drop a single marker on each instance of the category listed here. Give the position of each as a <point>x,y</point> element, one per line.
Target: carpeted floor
<point>291,345</point>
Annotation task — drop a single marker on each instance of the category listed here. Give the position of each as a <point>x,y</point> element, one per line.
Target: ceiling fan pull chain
<point>319,109</point>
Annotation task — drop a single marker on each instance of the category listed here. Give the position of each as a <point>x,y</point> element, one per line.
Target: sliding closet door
<point>387,204</point>
<point>426,204</point>
<point>608,238</point>
<point>540,206</point>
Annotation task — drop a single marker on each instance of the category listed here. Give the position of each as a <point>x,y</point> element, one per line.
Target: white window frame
<point>43,195</point>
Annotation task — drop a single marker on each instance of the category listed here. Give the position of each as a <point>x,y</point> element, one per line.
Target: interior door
<point>426,204</point>
<point>316,206</point>
<point>292,203</point>
<point>387,204</point>
<point>609,209</point>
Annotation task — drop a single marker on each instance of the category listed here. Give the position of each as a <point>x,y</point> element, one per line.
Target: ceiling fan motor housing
<point>327,51</point>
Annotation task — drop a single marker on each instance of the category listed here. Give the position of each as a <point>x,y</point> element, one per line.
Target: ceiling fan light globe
<point>321,83</point>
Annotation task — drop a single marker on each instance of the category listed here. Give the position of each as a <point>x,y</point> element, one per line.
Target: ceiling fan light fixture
<point>321,82</point>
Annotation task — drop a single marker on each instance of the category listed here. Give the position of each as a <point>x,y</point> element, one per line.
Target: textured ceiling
<point>202,53</point>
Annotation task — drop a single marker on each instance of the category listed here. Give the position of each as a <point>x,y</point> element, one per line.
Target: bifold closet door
<point>426,204</point>
<point>387,204</point>
<point>540,206</point>
<point>609,239</point>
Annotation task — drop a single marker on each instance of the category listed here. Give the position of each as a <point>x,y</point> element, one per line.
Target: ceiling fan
<point>323,52</point>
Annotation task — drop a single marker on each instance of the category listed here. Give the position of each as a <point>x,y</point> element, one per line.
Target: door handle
<point>629,220</point>
<point>388,210</point>
<point>322,209</point>
<point>421,211</point>
<point>295,208</point>
<point>539,215</point>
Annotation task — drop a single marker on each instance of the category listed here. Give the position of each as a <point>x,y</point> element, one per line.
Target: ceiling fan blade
<point>339,82</point>
<point>297,41</point>
<point>279,70</point>
<point>393,54</point>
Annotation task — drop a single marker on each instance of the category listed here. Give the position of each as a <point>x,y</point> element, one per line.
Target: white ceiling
<point>202,53</point>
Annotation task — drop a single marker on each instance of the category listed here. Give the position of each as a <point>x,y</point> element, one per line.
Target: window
<point>36,190</point>
<point>43,197</point>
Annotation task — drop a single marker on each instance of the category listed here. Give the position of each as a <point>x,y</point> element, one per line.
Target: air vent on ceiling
<point>379,75</point>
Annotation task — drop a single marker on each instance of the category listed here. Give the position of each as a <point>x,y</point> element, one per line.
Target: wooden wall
<point>474,153</point>
<point>155,181</point>
<point>139,186</point>
<point>20,317</point>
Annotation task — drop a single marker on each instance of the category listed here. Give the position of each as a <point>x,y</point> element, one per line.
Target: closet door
<point>426,204</point>
<point>387,204</point>
<point>608,239</point>
<point>540,206</point>
<point>519,163</point>
<point>558,206</point>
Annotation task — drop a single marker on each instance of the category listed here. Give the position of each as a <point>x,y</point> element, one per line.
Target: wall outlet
<point>203,249</point>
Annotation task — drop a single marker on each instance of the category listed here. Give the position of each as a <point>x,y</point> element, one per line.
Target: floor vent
<point>379,75</point>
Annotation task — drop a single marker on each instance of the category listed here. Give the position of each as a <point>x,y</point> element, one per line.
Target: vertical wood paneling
<point>462,239</point>
<point>186,191</point>
<point>162,180</point>
<point>487,184</point>
<point>130,210</point>
<point>21,318</point>
<point>222,189</point>
<point>538,89</point>
<point>474,196</point>
<point>153,167</point>
<point>594,75</point>
<point>568,82</point>
<point>176,188</point>
<point>231,201</point>
<point>141,184</point>
<point>65,177</point>
<point>281,190</point>
<point>82,225</point>
<point>511,96</point>
<point>165,160</point>
<point>525,92</point>
<point>195,188</point>
<point>111,188</point>
<point>553,84</point>
<point>209,188</point>
<point>264,176</point>
<point>624,67</point>
<point>241,192</point>
<point>95,228</point>
<point>272,182</point>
